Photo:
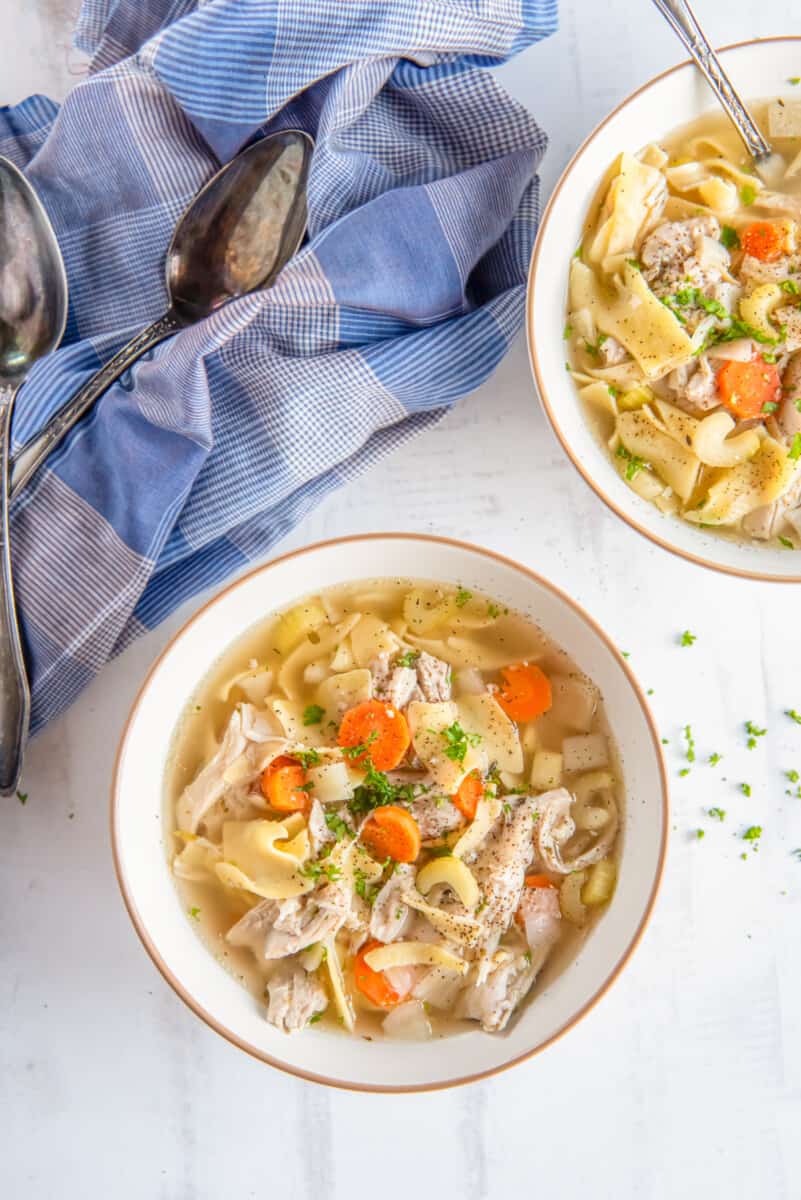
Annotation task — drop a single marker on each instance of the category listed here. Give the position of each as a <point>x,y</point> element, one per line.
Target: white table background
<point>685,1080</point>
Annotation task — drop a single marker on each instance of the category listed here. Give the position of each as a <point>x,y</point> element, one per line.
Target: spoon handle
<point>32,455</point>
<point>15,696</point>
<point>682,20</point>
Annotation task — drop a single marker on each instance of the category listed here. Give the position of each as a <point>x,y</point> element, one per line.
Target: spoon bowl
<point>239,231</point>
<point>33,314</point>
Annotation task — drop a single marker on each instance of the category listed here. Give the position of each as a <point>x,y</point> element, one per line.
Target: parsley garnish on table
<point>753,733</point>
<point>687,638</point>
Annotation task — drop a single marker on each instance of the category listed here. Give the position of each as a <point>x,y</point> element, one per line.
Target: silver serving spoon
<point>33,313</point>
<point>241,228</point>
<point>682,20</point>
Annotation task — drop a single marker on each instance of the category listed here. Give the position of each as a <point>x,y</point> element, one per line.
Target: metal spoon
<point>682,20</point>
<point>33,313</point>
<point>238,232</point>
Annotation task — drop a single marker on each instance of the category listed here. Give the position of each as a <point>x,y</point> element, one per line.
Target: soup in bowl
<point>408,824</point>
<point>682,320</point>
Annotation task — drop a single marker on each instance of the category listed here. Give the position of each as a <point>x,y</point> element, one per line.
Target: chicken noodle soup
<point>684,327</point>
<point>392,805</point>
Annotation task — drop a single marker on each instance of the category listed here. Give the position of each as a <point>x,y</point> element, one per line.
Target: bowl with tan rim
<point>141,837</point>
<point>671,100</point>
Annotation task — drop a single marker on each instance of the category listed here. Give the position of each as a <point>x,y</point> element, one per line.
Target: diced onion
<point>585,752</point>
<point>408,1021</point>
<point>600,885</point>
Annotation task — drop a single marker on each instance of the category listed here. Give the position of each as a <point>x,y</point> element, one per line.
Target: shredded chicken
<point>500,869</point>
<point>278,928</point>
<point>676,255</point>
<point>394,685</point>
<point>294,997</point>
<point>433,677</point>
<point>789,414</point>
<point>542,920</point>
<point>390,916</point>
<point>555,828</point>
<point>612,352</point>
<point>435,815</point>
<point>493,1000</point>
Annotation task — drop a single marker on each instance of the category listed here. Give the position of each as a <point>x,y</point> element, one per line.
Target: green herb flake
<point>683,772</point>
<point>796,853</point>
<point>794,452</point>
<point>493,610</point>
<point>313,714</point>
<point>462,596</point>
<point>748,195</point>
<point>22,797</point>
<point>753,733</point>
<point>792,775</point>
<point>314,1018</point>
<point>729,237</point>
<point>194,913</point>
<point>361,887</point>
<point>338,826</point>
<point>690,740</point>
<point>362,747</point>
<point>753,833</point>
<point>635,463</point>
<point>316,870</point>
<point>794,80</point>
<point>699,833</point>
<point>409,657</point>
<point>769,406</point>
<point>790,286</point>
<point>687,638</point>
<point>718,813</point>
<point>793,715</point>
<point>745,788</point>
<point>567,331</point>
<point>307,758</point>
<point>634,264</point>
<point>457,741</point>
<point>785,541</point>
<point>714,759</point>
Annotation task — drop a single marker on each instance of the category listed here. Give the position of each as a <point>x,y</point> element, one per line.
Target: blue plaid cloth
<point>422,211</point>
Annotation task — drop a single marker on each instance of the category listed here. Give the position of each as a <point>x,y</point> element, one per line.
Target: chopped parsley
<point>22,797</point>
<point>795,449</point>
<point>690,740</point>
<point>785,541</point>
<point>693,297</point>
<point>462,596</point>
<point>457,741</point>
<point>793,776</point>
<point>410,657</point>
<point>793,715</point>
<point>687,638</point>
<point>794,80</point>
<point>729,237</point>
<point>377,790</point>
<point>718,813</point>
<point>307,758</point>
<point>314,1018</point>
<point>362,747</point>
<point>684,771</point>
<point>577,251</point>
<point>699,833</point>
<point>194,913</point>
<point>362,888</point>
<point>790,286</point>
<point>594,348</point>
<point>753,733</point>
<point>769,406</point>
<point>632,262</point>
<point>493,610</point>
<point>567,332</point>
<point>313,714</point>
<point>748,194</point>
<point>635,463</point>
<point>714,759</point>
<point>745,788</point>
<point>339,827</point>
<point>753,833</point>
<point>315,871</point>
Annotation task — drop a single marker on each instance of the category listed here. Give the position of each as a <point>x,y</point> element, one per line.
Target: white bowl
<point>139,837</point>
<point>757,69</point>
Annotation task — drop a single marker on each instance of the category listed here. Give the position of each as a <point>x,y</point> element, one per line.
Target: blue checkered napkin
<point>422,211</point>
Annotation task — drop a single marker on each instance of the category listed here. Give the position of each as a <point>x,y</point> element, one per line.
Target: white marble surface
<point>684,1081</point>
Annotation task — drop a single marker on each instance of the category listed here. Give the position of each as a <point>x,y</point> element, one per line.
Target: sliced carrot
<point>392,832</point>
<point>471,790</point>
<point>763,240</point>
<point>539,881</point>
<point>282,785</point>
<point>526,692</point>
<point>374,984</point>
<point>746,387</point>
<point>380,728</point>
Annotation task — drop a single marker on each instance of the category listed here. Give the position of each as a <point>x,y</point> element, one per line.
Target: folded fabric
<point>422,211</point>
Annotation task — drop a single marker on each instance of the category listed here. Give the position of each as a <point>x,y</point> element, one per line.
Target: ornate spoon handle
<point>36,451</point>
<point>682,20</point>
<point>15,696</point>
